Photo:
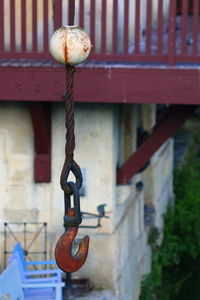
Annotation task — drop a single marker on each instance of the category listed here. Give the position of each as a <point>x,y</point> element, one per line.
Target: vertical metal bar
<point>103,26</point>
<point>5,244</point>
<point>195,26</point>
<point>115,26</point>
<point>81,13</point>
<point>137,27</point>
<point>126,23</point>
<point>34,26</point>
<point>23,24</point>
<point>57,14</point>
<point>71,11</point>
<point>172,33</point>
<point>45,26</point>
<point>160,28</point>
<point>184,26</point>
<point>12,26</point>
<point>2,25</point>
<point>25,244</point>
<point>45,241</point>
<point>92,21</point>
<point>148,26</point>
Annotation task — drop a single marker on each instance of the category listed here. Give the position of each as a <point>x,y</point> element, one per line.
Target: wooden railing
<point>120,30</point>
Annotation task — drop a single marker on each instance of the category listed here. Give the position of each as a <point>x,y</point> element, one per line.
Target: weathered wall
<point>132,224</point>
<point>105,137</point>
<point>24,201</point>
<point>132,249</point>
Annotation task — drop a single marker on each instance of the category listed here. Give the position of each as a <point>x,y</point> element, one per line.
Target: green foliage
<point>154,234</point>
<point>175,262</point>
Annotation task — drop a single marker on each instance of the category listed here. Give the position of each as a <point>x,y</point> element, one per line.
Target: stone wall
<point>105,136</point>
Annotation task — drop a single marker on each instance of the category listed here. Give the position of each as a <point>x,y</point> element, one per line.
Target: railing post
<point>115,27</point>
<point>12,26</point>
<point>137,27</point>
<point>148,27</point>
<point>195,33</point>
<point>1,25</point>
<point>45,26</point>
<point>23,25</point>
<point>184,26</point>
<point>71,12</point>
<point>57,14</point>
<point>126,26</point>
<point>103,26</point>
<point>92,21</point>
<point>160,28</point>
<point>34,26</point>
<point>172,33</point>
<point>81,13</point>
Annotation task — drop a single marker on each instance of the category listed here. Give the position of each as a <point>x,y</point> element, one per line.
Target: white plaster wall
<point>95,151</point>
<point>119,253</point>
<point>22,200</point>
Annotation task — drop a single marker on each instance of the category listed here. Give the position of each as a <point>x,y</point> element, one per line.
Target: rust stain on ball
<point>86,48</point>
<point>66,53</point>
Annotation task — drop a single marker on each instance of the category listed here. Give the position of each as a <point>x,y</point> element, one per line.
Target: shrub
<point>176,261</point>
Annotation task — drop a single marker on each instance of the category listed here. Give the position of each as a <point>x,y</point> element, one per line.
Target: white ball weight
<point>70,45</point>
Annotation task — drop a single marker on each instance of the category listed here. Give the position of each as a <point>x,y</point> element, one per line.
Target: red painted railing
<point>121,30</point>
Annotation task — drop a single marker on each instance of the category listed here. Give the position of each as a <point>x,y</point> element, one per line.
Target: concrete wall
<point>132,249</point>
<point>105,137</point>
<point>132,224</point>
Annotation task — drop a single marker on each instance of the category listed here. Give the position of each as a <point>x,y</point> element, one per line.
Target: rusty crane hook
<point>63,251</point>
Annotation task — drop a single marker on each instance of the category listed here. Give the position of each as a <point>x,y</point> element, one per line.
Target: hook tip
<point>65,260</point>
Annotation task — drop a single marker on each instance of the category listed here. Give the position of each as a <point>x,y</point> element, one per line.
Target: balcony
<point>143,51</point>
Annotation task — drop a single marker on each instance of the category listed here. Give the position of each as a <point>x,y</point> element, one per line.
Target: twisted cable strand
<point>70,164</point>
